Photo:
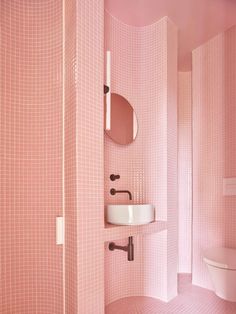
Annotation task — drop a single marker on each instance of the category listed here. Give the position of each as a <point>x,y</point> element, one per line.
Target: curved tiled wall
<point>31,156</point>
<point>71,304</point>
<point>185,171</point>
<point>51,67</point>
<point>84,146</point>
<point>230,132</point>
<point>214,116</point>
<point>144,71</point>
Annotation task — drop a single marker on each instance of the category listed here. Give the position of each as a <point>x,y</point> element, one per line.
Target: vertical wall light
<point>135,125</point>
<point>108,94</point>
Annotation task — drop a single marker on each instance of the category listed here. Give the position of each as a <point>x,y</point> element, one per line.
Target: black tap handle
<point>112,191</point>
<point>106,89</point>
<point>114,177</point>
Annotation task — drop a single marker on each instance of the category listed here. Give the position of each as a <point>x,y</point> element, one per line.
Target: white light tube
<point>108,95</point>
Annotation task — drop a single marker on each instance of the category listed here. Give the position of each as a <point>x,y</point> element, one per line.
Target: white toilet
<point>221,263</point>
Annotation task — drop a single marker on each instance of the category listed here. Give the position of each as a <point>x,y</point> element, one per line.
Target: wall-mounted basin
<point>140,214</point>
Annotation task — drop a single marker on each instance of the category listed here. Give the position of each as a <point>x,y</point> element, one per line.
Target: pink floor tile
<point>191,300</point>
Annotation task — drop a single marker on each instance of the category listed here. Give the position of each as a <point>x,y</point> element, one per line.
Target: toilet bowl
<point>221,263</point>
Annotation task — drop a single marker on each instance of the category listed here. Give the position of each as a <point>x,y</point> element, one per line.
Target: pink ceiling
<point>197,20</point>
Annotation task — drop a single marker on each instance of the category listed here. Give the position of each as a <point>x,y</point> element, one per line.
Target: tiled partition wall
<point>88,159</point>
<point>144,71</point>
<point>185,171</point>
<point>70,87</point>
<point>89,156</point>
<point>230,131</point>
<point>30,156</point>
<point>214,118</point>
<point>209,212</point>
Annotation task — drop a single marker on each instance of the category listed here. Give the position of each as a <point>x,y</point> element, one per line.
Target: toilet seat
<point>221,257</point>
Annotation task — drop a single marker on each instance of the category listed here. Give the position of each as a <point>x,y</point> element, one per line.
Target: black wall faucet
<point>114,192</point>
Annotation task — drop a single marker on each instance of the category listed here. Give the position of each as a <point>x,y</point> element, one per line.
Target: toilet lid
<point>221,257</point>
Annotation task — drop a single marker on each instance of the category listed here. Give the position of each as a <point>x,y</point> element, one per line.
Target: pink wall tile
<point>144,71</point>
<point>213,148</point>
<point>31,156</point>
<point>230,131</point>
<point>209,215</point>
<point>89,144</point>
<point>198,21</point>
<point>71,289</point>
<point>185,171</point>
<point>171,162</point>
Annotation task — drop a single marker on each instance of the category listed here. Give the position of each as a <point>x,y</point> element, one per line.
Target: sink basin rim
<point>130,214</point>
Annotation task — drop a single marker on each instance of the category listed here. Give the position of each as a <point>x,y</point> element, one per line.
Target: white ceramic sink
<point>130,214</point>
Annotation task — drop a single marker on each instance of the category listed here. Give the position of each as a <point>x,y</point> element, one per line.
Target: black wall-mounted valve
<point>114,177</point>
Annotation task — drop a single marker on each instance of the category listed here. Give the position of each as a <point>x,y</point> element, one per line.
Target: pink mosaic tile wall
<point>171,195</point>
<point>144,71</point>
<point>230,131</point>
<point>214,147</point>
<point>31,156</point>
<point>185,171</point>
<point>84,157</point>
<point>70,158</point>
<point>89,144</point>
<point>209,214</point>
